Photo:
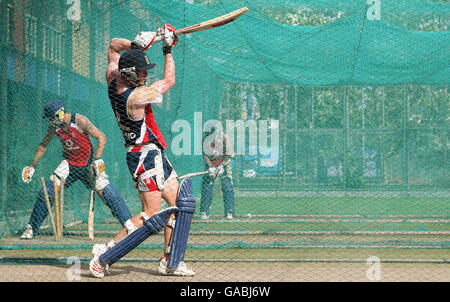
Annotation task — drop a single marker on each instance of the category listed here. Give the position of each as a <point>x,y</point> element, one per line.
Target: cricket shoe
<point>182,269</point>
<point>28,233</point>
<point>95,267</point>
<point>162,267</point>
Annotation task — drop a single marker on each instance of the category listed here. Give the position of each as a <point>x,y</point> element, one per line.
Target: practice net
<point>337,112</point>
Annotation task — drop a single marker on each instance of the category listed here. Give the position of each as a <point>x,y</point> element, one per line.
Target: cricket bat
<point>91,217</point>
<point>216,22</point>
<point>193,174</point>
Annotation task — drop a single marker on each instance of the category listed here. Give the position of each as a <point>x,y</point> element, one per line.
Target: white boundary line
<point>21,260</point>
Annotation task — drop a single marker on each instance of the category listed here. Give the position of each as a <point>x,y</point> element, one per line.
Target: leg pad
<point>151,226</point>
<point>186,209</point>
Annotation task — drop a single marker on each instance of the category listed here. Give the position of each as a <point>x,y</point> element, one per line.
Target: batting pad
<point>151,226</point>
<point>186,209</point>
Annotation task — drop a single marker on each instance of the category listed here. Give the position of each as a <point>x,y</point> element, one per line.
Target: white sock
<point>111,244</point>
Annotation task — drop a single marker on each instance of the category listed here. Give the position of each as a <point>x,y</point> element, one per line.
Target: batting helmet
<point>54,112</point>
<point>51,109</point>
<point>131,61</point>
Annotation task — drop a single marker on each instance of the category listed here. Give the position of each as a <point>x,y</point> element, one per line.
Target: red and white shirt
<point>135,132</point>
<point>77,147</point>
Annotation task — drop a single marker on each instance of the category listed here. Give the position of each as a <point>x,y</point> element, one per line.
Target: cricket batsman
<point>81,162</point>
<point>217,154</point>
<point>155,178</point>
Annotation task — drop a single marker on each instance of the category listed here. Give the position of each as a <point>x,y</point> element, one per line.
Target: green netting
<point>346,49</point>
<point>359,90</point>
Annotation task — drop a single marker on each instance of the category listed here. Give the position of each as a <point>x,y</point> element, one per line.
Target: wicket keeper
<point>81,162</point>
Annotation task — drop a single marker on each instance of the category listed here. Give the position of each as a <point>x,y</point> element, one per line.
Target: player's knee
<point>135,222</point>
<point>146,214</point>
<point>227,189</point>
<point>206,187</point>
<point>227,185</point>
<point>130,226</point>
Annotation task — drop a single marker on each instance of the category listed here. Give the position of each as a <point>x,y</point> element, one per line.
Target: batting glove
<point>145,39</point>
<point>212,171</point>
<point>169,38</point>
<point>220,170</point>
<point>98,166</point>
<point>27,174</point>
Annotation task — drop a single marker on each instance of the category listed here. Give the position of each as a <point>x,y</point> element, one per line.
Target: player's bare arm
<point>86,125</point>
<point>43,145</point>
<point>142,95</point>
<point>28,171</point>
<point>145,95</point>
<point>169,74</point>
<point>115,47</point>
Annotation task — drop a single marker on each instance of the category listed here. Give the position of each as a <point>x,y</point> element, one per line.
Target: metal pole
<point>92,48</point>
<point>383,127</point>
<point>346,135</point>
<point>405,140</point>
<point>296,132</point>
<point>3,106</point>
<point>313,147</point>
<point>363,127</point>
<point>42,15</point>
<point>68,61</point>
<point>285,118</point>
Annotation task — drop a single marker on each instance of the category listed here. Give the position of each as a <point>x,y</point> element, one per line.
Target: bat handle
<point>158,38</point>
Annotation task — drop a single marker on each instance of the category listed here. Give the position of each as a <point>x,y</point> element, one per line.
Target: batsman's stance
<point>79,163</point>
<point>155,177</point>
<point>217,153</point>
